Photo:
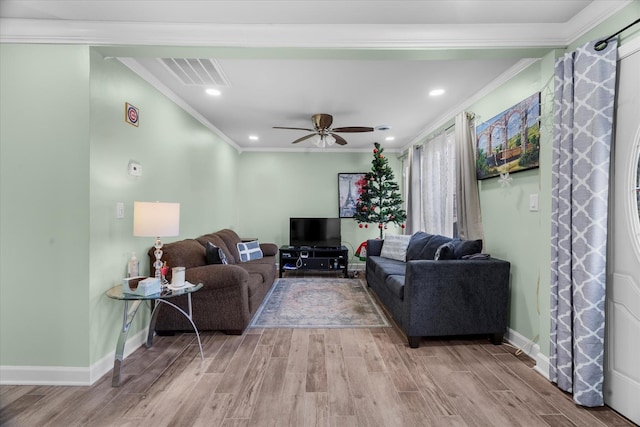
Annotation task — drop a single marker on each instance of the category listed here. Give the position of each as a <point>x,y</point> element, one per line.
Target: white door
<point>622,352</point>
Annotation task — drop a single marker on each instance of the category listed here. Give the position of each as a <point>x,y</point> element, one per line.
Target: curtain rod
<point>602,44</point>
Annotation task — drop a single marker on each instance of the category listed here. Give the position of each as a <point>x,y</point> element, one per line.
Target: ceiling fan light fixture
<point>330,140</point>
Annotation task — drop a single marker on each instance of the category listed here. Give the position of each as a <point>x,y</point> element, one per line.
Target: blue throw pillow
<point>466,247</point>
<point>249,251</point>
<point>424,246</point>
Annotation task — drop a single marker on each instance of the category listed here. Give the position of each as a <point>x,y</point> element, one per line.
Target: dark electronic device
<point>315,232</point>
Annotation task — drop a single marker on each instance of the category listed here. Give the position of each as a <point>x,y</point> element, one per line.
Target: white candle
<point>177,276</point>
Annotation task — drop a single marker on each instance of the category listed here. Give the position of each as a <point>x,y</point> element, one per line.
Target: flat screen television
<point>315,232</point>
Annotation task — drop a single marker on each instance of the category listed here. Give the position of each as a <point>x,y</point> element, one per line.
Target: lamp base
<point>157,265</point>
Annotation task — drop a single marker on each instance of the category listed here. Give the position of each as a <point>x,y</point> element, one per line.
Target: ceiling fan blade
<point>282,127</point>
<point>353,129</point>
<point>339,140</point>
<point>322,121</point>
<point>303,138</point>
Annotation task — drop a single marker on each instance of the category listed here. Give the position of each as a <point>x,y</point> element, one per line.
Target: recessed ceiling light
<point>436,92</point>
<point>253,137</point>
<point>213,92</point>
<point>390,138</point>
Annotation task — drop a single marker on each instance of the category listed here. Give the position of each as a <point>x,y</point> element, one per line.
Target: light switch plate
<point>533,202</point>
<point>119,210</point>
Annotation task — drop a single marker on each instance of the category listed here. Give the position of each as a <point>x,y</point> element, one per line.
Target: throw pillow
<point>215,255</point>
<point>249,251</point>
<point>445,251</point>
<point>395,247</point>
<point>424,245</point>
<point>466,247</point>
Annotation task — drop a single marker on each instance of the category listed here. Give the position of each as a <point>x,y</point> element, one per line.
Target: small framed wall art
<point>510,141</point>
<point>348,193</point>
<point>131,114</point>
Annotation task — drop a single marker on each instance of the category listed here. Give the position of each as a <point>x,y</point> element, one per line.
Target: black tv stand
<point>313,258</point>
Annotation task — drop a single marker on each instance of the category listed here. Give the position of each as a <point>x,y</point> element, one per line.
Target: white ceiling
<point>368,63</point>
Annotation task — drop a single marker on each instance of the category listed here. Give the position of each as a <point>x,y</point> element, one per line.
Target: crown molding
<point>137,68</point>
<point>439,36</point>
<point>449,116</point>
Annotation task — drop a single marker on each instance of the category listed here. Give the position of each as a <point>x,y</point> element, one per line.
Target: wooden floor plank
<point>223,357</point>
<point>340,400</point>
<point>266,410</point>
<point>187,413</point>
<point>397,369</point>
<point>316,409</point>
<point>316,365</point>
<point>295,377</point>
<point>237,364</point>
<point>282,345</point>
<point>367,410</point>
<point>213,410</point>
<point>245,396</point>
<point>298,352</point>
<point>552,395</point>
<point>291,408</point>
<point>18,406</point>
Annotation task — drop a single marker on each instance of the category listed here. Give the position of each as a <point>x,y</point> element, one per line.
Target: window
<point>432,185</point>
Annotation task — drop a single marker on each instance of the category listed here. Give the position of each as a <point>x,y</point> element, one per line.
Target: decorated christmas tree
<point>380,202</point>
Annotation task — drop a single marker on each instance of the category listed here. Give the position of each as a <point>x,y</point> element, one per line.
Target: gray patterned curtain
<point>585,84</point>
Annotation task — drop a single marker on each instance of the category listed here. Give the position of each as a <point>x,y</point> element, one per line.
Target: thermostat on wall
<point>135,169</point>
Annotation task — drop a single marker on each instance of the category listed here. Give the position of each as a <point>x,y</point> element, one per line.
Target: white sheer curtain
<point>431,186</point>
<point>438,169</point>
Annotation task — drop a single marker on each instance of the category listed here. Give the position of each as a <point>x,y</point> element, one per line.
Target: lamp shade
<point>156,219</point>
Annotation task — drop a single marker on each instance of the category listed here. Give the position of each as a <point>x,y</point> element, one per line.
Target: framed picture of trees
<point>510,141</point>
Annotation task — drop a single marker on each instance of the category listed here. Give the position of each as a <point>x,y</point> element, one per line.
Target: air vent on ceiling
<point>196,72</point>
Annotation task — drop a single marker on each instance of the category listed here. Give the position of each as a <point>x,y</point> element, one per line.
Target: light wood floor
<point>309,377</point>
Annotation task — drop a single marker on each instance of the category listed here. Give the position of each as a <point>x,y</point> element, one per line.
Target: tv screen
<point>318,232</point>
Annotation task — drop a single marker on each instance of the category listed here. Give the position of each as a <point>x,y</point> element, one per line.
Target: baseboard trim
<point>531,349</point>
<point>64,375</point>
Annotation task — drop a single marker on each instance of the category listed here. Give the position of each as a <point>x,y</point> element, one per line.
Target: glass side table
<point>130,311</point>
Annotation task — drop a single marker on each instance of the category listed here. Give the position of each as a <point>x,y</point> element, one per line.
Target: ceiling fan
<point>323,134</point>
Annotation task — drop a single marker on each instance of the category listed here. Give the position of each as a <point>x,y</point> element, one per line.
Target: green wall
<point>181,161</point>
<point>276,186</point>
<point>64,150</point>
<point>44,202</point>
<point>512,232</point>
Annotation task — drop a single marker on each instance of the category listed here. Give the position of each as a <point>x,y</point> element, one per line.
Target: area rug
<point>319,303</point>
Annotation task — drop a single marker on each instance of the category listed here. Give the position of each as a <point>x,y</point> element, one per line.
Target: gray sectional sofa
<point>451,295</point>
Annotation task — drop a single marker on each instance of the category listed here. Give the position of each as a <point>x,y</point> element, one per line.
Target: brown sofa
<point>231,293</point>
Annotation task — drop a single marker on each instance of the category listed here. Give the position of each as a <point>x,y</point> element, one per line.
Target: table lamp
<point>156,219</point>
